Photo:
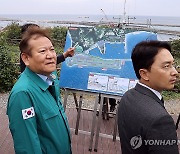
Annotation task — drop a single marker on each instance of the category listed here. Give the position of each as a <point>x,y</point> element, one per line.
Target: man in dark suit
<point>145,127</point>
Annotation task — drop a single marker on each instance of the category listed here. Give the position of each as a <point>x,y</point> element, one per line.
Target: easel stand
<point>104,96</point>
<point>99,98</point>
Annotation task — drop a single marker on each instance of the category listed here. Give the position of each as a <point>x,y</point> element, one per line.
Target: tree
<point>8,70</point>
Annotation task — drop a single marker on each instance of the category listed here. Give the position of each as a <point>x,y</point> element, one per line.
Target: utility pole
<point>104,14</point>
<point>124,13</point>
<point>109,22</point>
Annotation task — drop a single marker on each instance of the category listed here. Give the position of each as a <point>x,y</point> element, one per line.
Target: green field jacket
<point>37,120</point>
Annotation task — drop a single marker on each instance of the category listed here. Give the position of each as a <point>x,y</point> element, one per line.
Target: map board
<point>102,61</point>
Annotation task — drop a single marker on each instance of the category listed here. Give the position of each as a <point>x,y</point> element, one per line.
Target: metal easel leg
<point>115,123</point>
<point>76,102</point>
<point>93,122</point>
<point>98,124</point>
<point>65,99</point>
<point>79,114</point>
<point>107,108</point>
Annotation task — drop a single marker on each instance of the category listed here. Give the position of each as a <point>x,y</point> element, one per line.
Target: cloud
<point>86,7</point>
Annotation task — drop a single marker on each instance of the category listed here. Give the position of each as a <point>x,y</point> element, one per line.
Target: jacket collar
<point>36,79</point>
<point>148,92</point>
<point>154,91</point>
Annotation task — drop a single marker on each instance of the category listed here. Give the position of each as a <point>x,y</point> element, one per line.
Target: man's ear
<point>25,58</point>
<point>144,74</point>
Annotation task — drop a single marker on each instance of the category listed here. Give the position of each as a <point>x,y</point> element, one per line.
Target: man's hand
<point>69,52</point>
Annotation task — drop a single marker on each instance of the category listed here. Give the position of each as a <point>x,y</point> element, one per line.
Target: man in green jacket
<point>37,120</point>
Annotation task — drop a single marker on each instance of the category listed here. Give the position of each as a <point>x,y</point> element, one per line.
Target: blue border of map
<point>114,61</point>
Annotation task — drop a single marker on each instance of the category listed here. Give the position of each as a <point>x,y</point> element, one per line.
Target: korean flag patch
<point>28,113</point>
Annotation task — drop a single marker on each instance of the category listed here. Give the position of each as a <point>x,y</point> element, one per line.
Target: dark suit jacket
<point>145,127</point>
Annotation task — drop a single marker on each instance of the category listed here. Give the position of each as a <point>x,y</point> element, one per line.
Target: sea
<point>52,20</point>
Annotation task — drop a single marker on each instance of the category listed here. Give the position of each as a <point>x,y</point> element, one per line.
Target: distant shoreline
<point>171,31</point>
<point>143,26</point>
<point>84,22</point>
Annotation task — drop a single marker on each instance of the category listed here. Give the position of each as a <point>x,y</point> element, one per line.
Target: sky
<point>92,7</point>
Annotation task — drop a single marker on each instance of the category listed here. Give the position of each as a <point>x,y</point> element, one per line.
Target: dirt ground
<point>172,106</point>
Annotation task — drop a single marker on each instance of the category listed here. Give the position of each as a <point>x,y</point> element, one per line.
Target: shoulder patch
<point>28,113</point>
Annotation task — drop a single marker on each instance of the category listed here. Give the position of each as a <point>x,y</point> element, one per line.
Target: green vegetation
<point>58,34</point>
<point>9,52</point>
<point>169,95</point>
<point>12,34</point>
<point>9,55</point>
<point>176,52</point>
<point>8,69</point>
